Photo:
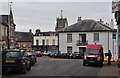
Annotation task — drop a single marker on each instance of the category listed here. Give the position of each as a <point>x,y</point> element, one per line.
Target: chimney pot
<point>79,19</point>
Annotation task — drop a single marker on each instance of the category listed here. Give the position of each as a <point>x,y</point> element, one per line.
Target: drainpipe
<point>108,40</point>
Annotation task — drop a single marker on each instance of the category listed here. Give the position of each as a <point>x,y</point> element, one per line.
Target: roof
<point>24,36</point>
<point>87,25</point>
<point>4,19</point>
<point>49,33</point>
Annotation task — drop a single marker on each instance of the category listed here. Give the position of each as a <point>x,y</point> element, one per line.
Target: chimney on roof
<point>101,21</point>
<point>79,19</point>
<point>37,32</point>
<point>30,30</point>
<point>107,24</point>
<point>111,24</point>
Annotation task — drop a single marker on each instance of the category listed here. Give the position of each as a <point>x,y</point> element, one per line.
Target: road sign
<point>113,36</point>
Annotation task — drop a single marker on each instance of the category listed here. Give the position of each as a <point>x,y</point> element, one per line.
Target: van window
<point>92,51</point>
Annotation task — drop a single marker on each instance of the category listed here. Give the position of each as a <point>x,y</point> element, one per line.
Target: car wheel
<point>24,71</point>
<point>4,72</point>
<point>29,67</point>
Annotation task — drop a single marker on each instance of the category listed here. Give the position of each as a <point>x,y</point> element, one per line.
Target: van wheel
<point>100,65</point>
<point>119,65</point>
<point>84,63</point>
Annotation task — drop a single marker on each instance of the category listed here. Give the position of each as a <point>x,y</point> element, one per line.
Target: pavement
<point>109,70</point>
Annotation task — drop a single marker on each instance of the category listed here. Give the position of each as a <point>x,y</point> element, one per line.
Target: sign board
<point>113,36</point>
<point>115,6</point>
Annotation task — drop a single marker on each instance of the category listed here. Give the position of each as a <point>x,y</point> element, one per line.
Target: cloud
<point>57,0</point>
<point>43,14</point>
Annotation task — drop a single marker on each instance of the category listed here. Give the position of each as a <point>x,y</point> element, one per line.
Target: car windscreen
<point>12,54</point>
<point>76,53</point>
<point>92,51</point>
<point>29,53</point>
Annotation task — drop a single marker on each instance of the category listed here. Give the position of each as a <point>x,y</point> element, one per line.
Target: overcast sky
<point>42,15</point>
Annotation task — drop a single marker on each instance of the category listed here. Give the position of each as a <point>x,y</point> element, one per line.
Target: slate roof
<point>87,25</point>
<point>4,19</point>
<point>49,33</point>
<point>24,36</point>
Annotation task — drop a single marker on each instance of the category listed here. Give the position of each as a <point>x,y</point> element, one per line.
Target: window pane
<point>69,38</point>
<point>37,42</point>
<point>69,49</point>
<point>53,42</point>
<point>43,42</point>
<point>47,42</point>
<point>96,36</point>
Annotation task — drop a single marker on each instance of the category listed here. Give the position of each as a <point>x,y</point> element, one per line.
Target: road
<point>59,67</point>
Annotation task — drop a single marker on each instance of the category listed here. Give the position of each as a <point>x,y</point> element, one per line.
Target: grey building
<point>61,22</point>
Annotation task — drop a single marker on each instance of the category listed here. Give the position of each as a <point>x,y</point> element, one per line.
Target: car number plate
<point>10,61</point>
<point>91,61</point>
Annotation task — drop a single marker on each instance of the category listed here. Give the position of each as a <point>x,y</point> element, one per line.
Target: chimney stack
<point>79,19</point>
<point>30,30</point>
<point>112,24</point>
<point>101,21</point>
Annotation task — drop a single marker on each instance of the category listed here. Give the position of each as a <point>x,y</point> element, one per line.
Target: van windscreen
<point>92,51</point>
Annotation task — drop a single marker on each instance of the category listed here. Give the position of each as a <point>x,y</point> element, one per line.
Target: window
<point>53,42</point>
<point>47,42</point>
<point>96,36</point>
<point>23,45</point>
<point>69,49</point>
<point>69,38</point>
<point>12,54</point>
<point>37,42</point>
<point>43,42</point>
<point>29,45</point>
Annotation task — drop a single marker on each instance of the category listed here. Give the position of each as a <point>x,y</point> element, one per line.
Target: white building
<point>75,37</point>
<point>45,41</point>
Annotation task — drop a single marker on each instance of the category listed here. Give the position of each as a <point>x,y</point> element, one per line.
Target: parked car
<point>78,55</point>
<point>106,58</point>
<point>55,53</point>
<point>46,53</point>
<point>63,55</point>
<point>39,53</point>
<point>15,60</point>
<point>32,57</point>
<point>68,55</point>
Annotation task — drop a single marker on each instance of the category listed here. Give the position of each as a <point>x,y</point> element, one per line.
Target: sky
<point>34,14</point>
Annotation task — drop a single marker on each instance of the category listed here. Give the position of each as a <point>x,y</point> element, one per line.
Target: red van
<point>93,55</point>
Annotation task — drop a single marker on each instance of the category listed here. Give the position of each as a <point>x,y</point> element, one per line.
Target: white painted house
<point>75,37</point>
<point>45,41</point>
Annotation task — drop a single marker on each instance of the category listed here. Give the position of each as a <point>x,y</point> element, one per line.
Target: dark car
<point>15,60</point>
<point>32,57</point>
<point>63,55</point>
<point>68,55</point>
<point>77,55</point>
<point>55,53</point>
